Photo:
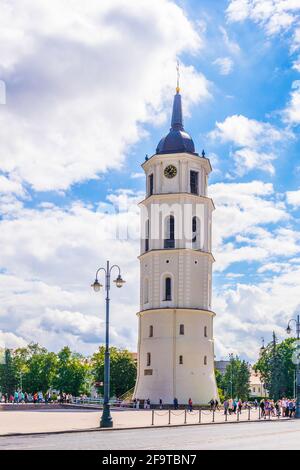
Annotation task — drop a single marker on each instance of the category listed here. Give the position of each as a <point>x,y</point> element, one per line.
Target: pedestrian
<point>175,403</point>
<point>190,404</point>
<point>262,407</point>
<point>137,404</point>
<point>226,406</point>
<point>160,404</point>
<point>212,404</point>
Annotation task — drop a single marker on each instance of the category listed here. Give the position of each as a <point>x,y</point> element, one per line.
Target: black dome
<point>178,140</point>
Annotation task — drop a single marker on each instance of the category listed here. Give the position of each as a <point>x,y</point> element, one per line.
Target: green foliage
<point>122,370</point>
<point>236,381</point>
<point>73,373</point>
<point>276,367</point>
<point>37,369</point>
<point>8,374</point>
<point>36,366</point>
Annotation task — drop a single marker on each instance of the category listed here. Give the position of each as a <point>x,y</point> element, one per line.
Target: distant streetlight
<point>297,394</point>
<point>106,419</point>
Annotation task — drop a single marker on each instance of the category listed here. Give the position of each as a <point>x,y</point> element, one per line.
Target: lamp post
<point>106,419</point>
<point>297,394</point>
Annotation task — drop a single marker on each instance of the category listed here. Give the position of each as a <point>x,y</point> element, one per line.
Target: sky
<point>85,93</point>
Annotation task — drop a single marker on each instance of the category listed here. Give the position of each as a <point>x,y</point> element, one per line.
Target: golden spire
<point>178,77</point>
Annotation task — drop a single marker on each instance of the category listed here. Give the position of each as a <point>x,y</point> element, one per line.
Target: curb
<point>73,431</point>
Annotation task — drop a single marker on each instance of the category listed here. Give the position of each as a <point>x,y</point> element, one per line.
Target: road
<point>252,436</point>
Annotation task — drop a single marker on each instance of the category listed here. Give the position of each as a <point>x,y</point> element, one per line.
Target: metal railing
<point>205,416</point>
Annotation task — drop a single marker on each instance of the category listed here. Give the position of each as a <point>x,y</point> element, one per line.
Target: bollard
<point>238,416</point>
<point>169,417</point>
<point>259,413</point>
<point>153,417</point>
<point>249,411</point>
<point>185,416</point>
<point>213,420</point>
<point>226,412</point>
<point>199,415</point>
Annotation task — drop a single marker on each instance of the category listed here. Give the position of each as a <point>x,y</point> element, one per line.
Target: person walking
<point>175,403</point>
<point>262,408</point>
<point>190,404</point>
<point>226,406</point>
<point>160,404</point>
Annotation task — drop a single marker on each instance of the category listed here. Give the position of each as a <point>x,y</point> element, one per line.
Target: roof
<point>177,140</point>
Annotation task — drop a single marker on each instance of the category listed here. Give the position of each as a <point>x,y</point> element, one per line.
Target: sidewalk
<point>47,421</point>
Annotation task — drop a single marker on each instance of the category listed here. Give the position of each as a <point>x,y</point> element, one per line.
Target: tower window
<point>181,329</point>
<point>148,359</point>
<point>151,181</point>
<point>151,331</point>
<point>168,288</point>
<point>146,292</point>
<point>180,360</point>
<point>147,235</point>
<point>194,229</point>
<point>194,176</point>
<point>205,360</point>
<point>170,232</point>
<point>205,331</point>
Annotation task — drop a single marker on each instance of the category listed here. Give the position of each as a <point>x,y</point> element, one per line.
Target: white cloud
<point>292,111</point>
<point>246,313</point>
<point>242,209</point>
<point>49,260</point>
<point>225,65</point>
<point>83,78</point>
<point>253,142</point>
<point>231,45</point>
<point>274,15</point>
<point>293,198</point>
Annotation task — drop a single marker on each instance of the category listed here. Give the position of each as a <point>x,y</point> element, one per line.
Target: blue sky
<point>88,95</point>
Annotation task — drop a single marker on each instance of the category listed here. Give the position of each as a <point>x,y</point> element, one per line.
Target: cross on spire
<point>178,77</point>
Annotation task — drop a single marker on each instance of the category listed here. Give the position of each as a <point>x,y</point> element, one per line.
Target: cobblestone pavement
<point>256,435</point>
<point>12,422</point>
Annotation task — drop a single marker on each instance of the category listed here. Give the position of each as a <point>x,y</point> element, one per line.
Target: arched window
<point>168,288</point>
<point>148,359</point>
<point>169,232</point>
<point>146,291</point>
<point>180,360</point>
<point>147,234</point>
<point>196,232</point>
<point>205,360</point>
<point>181,329</point>
<point>151,185</point>
<point>151,331</point>
<point>205,332</point>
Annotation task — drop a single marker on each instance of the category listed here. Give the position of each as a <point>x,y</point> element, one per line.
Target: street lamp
<point>106,419</point>
<point>289,330</point>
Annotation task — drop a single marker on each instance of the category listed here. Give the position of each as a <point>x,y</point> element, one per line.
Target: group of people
<point>285,407</point>
<point>19,397</point>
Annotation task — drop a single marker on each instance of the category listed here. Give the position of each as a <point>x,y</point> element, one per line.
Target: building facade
<point>175,346</point>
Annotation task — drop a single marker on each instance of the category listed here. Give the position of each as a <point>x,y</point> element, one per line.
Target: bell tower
<point>175,345</point>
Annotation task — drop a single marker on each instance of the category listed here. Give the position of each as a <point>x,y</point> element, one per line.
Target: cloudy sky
<point>85,93</point>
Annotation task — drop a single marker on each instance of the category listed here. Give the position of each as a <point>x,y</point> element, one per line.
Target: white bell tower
<point>175,346</point>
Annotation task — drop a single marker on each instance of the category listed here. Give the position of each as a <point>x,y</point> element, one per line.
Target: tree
<point>236,380</point>
<point>37,366</point>
<point>122,370</point>
<point>73,373</point>
<point>276,367</point>
<point>8,374</point>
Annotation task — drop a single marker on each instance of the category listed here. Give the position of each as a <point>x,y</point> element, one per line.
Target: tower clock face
<point>170,171</point>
